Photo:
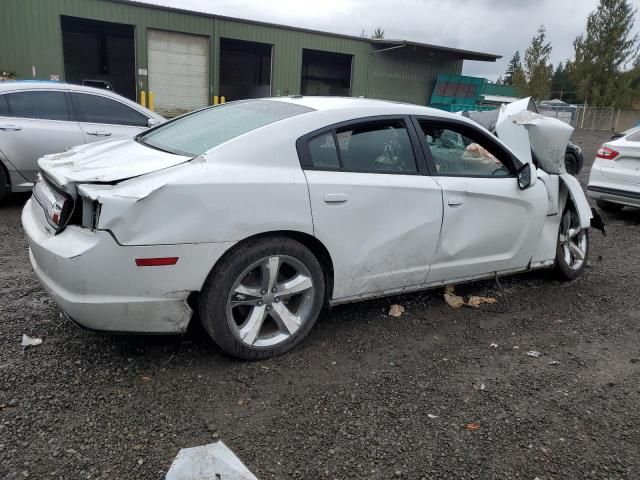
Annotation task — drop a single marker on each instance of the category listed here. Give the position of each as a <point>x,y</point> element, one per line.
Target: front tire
<point>263,298</point>
<point>572,250</point>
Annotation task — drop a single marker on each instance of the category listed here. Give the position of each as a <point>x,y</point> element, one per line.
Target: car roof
<point>20,85</point>
<point>361,103</point>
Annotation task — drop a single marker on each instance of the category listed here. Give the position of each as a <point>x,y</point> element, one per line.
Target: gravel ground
<point>365,396</point>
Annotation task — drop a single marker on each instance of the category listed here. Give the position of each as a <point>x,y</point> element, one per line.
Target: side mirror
<point>153,122</point>
<point>524,176</point>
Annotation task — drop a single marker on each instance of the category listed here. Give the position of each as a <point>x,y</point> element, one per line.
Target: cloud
<point>494,26</point>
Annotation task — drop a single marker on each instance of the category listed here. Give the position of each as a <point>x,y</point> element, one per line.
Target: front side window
<point>205,129</point>
<point>98,109</point>
<point>455,154</point>
<point>42,105</point>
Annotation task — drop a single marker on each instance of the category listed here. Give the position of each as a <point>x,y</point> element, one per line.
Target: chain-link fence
<point>593,118</point>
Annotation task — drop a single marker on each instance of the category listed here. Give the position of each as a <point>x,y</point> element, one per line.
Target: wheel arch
<point>316,247</point>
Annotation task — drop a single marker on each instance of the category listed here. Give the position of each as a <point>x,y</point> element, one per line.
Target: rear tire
<point>263,298</point>
<point>609,206</point>
<point>572,250</point>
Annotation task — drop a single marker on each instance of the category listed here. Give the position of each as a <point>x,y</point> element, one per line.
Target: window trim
<point>304,154</point>
<point>78,117</point>
<point>459,126</point>
<point>70,112</point>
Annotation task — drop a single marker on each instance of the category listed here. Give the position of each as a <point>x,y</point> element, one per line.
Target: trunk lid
<point>106,162</point>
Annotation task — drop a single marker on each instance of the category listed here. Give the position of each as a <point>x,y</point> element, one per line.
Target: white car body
<point>617,180</point>
<point>384,233</point>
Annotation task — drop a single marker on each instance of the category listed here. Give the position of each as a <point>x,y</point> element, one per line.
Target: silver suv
<point>38,118</point>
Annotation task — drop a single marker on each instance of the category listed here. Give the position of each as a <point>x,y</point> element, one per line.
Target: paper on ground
<point>208,462</point>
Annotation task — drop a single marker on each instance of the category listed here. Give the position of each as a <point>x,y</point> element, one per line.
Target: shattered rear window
<point>203,130</point>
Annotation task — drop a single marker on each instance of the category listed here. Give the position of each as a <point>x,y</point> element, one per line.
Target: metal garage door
<point>178,71</point>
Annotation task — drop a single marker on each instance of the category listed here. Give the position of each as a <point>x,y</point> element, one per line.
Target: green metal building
<point>186,58</point>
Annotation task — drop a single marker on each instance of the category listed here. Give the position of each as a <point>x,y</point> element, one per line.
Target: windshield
<point>200,131</point>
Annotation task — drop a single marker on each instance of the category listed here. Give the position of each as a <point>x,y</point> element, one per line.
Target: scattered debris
<point>493,345</point>
<point>396,310</point>
<point>431,415</point>
<point>145,378</point>
<point>482,387</point>
<point>554,362</point>
<point>475,301</point>
<point>28,341</point>
<point>472,427</point>
<point>214,461</point>
<point>453,300</point>
<point>516,347</point>
<point>456,301</point>
<point>533,353</point>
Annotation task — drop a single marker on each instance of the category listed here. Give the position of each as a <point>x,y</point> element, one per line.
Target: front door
<point>489,224</point>
<point>36,123</point>
<point>372,206</point>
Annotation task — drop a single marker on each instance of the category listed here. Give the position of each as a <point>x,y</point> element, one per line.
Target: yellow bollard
<point>143,98</point>
<point>222,99</point>
<point>150,100</point>
<point>215,99</point>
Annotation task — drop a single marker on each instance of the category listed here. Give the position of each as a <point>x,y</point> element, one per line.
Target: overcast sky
<point>493,26</point>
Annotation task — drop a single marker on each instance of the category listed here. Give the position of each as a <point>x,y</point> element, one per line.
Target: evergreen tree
<point>515,64</point>
<point>536,66</point>
<point>604,54</point>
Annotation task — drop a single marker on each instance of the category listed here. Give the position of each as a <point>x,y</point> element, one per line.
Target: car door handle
<point>335,197</point>
<point>99,133</point>
<point>455,201</point>
<point>10,128</point>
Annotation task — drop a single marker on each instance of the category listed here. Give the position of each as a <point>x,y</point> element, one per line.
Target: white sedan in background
<point>39,117</point>
<point>259,212</point>
<point>614,180</point>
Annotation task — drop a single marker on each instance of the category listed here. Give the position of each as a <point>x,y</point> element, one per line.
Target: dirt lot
<point>356,399</point>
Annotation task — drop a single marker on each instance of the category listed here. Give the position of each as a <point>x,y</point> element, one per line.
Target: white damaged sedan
<point>257,213</point>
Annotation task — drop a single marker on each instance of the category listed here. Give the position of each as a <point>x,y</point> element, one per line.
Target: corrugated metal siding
<point>405,75</point>
<point>30,34</point>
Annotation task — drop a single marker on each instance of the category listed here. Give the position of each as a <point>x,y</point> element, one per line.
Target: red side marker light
<point>156,262</point>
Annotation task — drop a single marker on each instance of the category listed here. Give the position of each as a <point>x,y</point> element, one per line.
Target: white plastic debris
<point>494,345</point>
<point>396,310</point>
<point>482,387</point>
<point>533,353</point>
<point>554,362</point>
<point>432,416</point>
<point>28,341</point>
<point>208,462</point>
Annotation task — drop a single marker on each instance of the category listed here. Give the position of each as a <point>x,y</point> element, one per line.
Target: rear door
<point>36,123</point>
<point>489,224</point>
<point>102,117</point>
<point>373,205</point>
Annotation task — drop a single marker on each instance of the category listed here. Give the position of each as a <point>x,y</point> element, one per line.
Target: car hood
<point>106,162</point>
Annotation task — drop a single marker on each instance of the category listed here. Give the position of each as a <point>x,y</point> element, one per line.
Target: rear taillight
<point>57,205</point>
<point>606,153</point>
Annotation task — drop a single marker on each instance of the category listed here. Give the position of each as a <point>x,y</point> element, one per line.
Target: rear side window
<point>4,108</point>
<point>97,109</point>
<point>205,129</point>
<point>42,105</point>
<point>376,147</point>
<point>634,137</point>
<point>323,151</point>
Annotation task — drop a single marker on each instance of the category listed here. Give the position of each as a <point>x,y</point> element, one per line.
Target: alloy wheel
<point>573,240</point>
<point>270,300</point>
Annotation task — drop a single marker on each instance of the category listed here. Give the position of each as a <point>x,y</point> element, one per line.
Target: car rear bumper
<point>97,283</point>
